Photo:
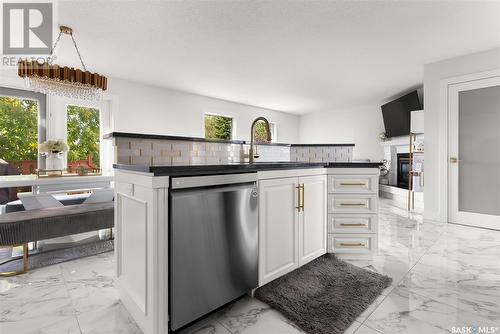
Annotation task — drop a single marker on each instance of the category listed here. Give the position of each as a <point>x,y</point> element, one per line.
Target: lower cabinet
<point>292,224</point>
<point>312,219</point>
<point>278,228</point>
<point>352,211</point>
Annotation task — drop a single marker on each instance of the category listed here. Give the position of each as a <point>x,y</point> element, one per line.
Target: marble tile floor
<point>444,276</point>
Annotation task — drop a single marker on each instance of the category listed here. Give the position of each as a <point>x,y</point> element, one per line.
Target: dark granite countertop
<point>198,139</point>
<point>191,170</point>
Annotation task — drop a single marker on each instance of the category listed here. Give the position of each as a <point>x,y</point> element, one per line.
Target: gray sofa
<point>19,228</point>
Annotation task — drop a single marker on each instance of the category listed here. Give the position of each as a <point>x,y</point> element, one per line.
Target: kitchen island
<point>304,210</point>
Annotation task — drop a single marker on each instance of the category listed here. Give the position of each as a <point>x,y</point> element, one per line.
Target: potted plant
<point>53,149</point>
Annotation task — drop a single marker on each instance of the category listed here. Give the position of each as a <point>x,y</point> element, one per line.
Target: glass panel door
<point>474,153</point>
<point>479,151</point>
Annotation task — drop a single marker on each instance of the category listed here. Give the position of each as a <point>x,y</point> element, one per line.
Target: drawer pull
<point>359,244</point>
<point>352,224</point>
<point>352,204</point>
<point>353,183</point>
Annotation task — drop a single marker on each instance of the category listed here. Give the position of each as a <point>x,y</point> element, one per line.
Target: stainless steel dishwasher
<point>213,243</point>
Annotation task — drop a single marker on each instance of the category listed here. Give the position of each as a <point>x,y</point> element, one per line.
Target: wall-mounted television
<point>396,114</point>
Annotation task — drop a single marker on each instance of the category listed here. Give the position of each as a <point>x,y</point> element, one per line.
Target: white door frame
<point>443,134</point>
<point>454,215</point>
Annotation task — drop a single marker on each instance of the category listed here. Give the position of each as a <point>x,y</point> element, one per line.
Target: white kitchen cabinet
<point>289,235</point>
<point>141,248</point>
<point>352,211</point>
<point>312,220</point>
<point>278,228</point>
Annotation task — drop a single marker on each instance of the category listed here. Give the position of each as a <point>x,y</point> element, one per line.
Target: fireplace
<point>403,174</point>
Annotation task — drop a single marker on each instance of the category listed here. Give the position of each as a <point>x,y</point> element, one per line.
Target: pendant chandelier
<point>63,81</point>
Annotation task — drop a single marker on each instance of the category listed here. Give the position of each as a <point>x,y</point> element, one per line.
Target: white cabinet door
<point>312,220</point>
<point>278,228</point>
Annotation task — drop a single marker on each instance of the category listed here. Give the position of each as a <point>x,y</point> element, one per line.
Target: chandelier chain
<point>76,48</point>
<point>78,52</point>
<point>55,44</point>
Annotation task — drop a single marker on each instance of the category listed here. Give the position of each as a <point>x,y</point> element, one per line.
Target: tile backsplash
<point>321,153</point>
<point>185,152</point>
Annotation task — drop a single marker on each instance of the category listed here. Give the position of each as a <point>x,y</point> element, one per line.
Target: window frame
<point>274,132</point>
<point>42,113</point>
<point>233,124</point>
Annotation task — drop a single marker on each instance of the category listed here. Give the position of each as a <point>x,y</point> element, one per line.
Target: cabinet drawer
<point>345,203</point>
<point>352,223</point>
<point>352,243</point>
<point>352,184</point>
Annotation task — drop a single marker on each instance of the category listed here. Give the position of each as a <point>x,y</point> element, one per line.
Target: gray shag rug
<point>48,258</point>
<point>324,296</point>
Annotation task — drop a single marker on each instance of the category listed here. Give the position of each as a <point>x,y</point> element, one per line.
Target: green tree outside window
<point>18,129</point>
<point>83,133</point>
<point>260,132</point>
<point>218,127</point>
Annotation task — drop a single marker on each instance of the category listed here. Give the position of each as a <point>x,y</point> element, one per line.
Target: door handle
<point>454,160</point>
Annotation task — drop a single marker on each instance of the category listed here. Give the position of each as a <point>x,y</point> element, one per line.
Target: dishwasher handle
<point>212,180</point>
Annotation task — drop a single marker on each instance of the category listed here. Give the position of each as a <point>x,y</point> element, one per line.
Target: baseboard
<point>400,195</point>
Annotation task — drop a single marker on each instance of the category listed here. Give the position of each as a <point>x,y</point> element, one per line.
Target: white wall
<point>436,150</point>
<point>358,125</point>
<point>155,110</point>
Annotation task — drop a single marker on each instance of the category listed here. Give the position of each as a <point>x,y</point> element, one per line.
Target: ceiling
<point>293,56</point>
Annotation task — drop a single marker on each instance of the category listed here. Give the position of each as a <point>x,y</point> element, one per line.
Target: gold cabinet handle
<point>300,197</point>
<point>352,204</point>
<point>303,196</point>
<point>353,183</point>
<point>352,224</point>
<point>359,244</point>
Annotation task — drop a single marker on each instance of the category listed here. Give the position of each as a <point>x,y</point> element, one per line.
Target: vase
<point>55,163</point>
